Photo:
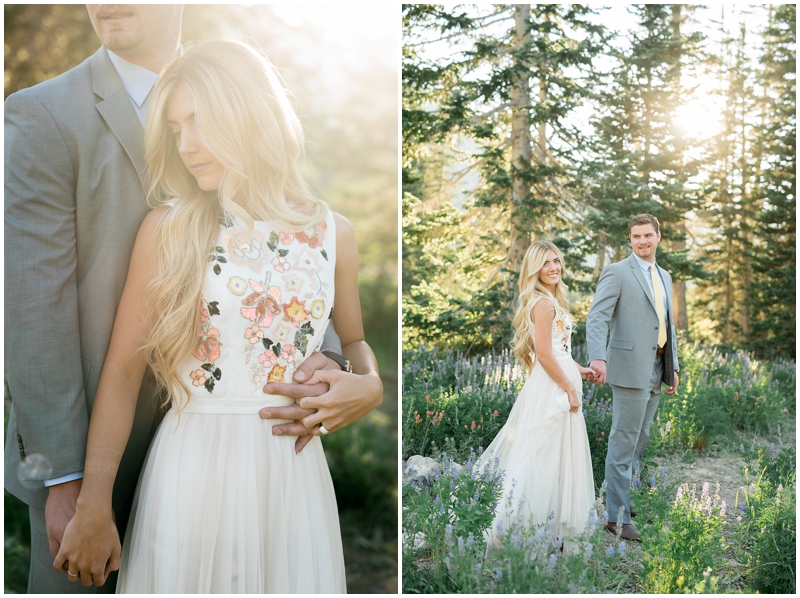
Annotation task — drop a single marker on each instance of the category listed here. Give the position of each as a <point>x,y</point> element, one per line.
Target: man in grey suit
<point>74,162</point>
<point>74,166</point>
<point>632,345</point>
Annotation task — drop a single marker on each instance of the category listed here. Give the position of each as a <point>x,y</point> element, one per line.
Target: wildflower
<point>723,508</point>
<point>552,561</point>
<point>495,413</point>
<point>663,473</point>
<point>652,482</point>
<point>668,426</point>
<point>638,483</point>
<point>448,532</point>
<point>697,518</point>
<point>478,568</point>
<point>622,547</point>
<point>588,551</point>
<point>610,551</point>
<point>738,519</point>
<point>741,448</point>
<point>498,574</point>
<point>742,508</point>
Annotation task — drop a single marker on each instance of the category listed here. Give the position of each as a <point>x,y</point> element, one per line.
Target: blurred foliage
<point>341,67</point>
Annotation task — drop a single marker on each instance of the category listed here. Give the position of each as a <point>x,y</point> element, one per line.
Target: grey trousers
<point>43,578</point>
<point>633,413</point>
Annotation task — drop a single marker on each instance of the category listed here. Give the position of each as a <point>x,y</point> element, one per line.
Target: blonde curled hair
<point>531,290</point>
<point>247,123</point>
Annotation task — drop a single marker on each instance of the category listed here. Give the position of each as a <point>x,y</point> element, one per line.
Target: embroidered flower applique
<point>314,236</point>
<point>208,349</point>
<point>247,250</point>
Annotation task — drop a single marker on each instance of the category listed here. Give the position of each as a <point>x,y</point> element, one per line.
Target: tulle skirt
<point>223,506</point>
<point>544,451</point>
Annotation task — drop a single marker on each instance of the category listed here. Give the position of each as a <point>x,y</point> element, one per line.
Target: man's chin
<point>121,41</point>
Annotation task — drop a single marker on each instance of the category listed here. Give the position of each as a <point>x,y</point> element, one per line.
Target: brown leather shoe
<point>629,531</point>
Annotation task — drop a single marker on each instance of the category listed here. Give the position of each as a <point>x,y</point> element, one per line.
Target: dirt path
<point>712,468</point>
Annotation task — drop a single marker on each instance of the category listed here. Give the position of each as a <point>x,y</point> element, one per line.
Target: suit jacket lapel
<point>639,275</point>
<point>116,109</point>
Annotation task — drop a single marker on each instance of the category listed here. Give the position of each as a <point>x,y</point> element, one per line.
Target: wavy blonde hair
<point>246,121</point>
<point>531,290</point>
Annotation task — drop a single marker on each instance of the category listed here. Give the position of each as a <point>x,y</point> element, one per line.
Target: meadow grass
<point>693,542</point>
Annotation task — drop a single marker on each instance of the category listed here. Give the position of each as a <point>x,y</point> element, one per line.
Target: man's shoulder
<point>52,93</point>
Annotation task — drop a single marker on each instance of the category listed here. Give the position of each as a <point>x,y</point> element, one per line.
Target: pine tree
<point>774,274</point>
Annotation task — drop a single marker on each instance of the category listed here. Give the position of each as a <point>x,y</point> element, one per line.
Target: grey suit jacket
<point>622,326</point>
<point>73,206</point>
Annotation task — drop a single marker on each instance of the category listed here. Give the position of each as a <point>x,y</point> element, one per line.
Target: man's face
<point>644,240</point>
<point>133,28</point>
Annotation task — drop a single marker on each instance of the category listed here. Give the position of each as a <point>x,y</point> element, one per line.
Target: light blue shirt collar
<point>644,264</point>
<point>137,80</point>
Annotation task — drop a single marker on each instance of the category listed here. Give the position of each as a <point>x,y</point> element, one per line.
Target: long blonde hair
<point>531,290</point>
<point>247,123</point>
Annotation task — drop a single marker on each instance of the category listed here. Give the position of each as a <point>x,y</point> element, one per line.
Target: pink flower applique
<point>314,236</point>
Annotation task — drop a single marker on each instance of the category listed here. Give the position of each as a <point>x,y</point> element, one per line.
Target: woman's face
<point>550,273</point>
<point>193,151</point>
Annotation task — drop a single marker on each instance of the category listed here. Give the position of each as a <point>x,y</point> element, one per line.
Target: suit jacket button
<point>655,348</point>
<point>656,327</point>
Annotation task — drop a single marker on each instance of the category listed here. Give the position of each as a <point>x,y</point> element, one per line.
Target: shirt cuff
<point>63,479</point>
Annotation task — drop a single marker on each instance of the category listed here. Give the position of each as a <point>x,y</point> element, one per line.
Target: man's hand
<point>317,361</point>
<point>599,366</point>
<point>59,510</point>
<point>345,399</point>
<point>674,388</point>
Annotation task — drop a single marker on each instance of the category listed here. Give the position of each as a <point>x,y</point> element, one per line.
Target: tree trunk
<point>521,144</point>
<point>679,286</point>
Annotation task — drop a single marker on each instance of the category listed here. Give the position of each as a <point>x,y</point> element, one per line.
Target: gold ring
<point>75,575</point>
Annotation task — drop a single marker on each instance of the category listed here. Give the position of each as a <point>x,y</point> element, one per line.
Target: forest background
<point>342,71</point>
<point>530,122</point>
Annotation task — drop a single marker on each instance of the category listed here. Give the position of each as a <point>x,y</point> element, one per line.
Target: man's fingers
<point>296,391</point>
<point>316,361</point>
<point>302,442</point>
<point>55,546</point>
<point>286,412</point>
<point>293,429</point>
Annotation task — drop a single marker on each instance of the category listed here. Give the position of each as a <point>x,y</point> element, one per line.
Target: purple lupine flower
<point>741,448</point>
<point>622,547</point>
<point>638,483</point>
<point>552,561</point>
<point>498,574</point>
<point>652,482</point>
<point>610,551</point>
<point>723,508</point>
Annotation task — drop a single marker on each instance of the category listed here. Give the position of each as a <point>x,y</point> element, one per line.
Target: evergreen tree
<point>774,274</point>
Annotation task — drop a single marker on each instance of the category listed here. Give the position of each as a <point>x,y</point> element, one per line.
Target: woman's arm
<point>542,317</point>
<point>351,396</point>
<point>91,545</point>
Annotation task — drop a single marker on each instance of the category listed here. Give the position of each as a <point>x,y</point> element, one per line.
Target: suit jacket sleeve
<point>42,340</point>
<point>331,340</point>
<point>599,319</point>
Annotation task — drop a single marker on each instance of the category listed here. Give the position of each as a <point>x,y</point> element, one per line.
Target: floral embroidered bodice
<point>267,299</point>
<point>561,332</point>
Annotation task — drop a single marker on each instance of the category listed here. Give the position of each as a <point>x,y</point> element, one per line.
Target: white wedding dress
<point>544,451</point>
<point>222,505</point>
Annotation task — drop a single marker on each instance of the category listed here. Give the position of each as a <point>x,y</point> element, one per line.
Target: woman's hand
<point>574,404</point>
<point>587,373</point>
<point>90,548</point>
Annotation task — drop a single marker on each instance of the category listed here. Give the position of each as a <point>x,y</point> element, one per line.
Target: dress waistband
<point>236,405</point>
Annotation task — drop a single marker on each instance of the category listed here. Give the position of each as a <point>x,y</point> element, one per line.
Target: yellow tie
<point>662,327</point>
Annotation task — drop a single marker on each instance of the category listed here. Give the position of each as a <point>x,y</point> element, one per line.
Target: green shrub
<point>767,520</point>
<point>685,542</point>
